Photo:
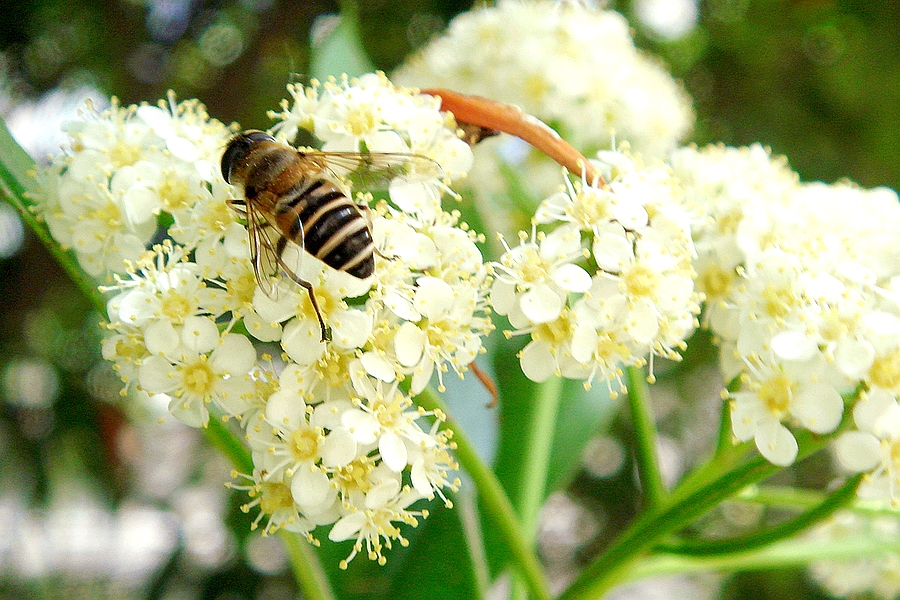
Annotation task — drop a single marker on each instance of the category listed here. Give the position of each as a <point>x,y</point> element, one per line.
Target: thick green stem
<point>18,186</point>
<point>532,490</point>
<point>789,553</point>
<point>682,508</point>
<point>833,502</point>
<point>644,427</point>
<point>308,572</point>
<point>496,503</point>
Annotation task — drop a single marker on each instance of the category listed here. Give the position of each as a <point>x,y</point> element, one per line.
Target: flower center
<point>124,154</point>
<point>640,281</point>
<point>777,301</point>
<point>715,281</point>
<point>175,193</point>
<point>198,378</point>
<point>274,496</point>
<point>885,371</point>
<point>589,209</point>
<point>776,393</point>
<point>304,444</point>
<point>242,288</point>
<point>355,476</point>
<point>176,307</point>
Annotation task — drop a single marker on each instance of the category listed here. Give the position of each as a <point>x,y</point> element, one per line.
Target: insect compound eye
<point>238,149</point>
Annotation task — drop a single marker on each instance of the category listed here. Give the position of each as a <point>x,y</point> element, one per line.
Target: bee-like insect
<point>295,196</point>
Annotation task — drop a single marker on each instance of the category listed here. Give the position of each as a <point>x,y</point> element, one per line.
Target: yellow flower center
<point>776,393</point>
<point>885,371</point>
<point>198,378</point>
<point>715,281</point>
<point>176,307</point>
<point>640,281</point>
<point>777,301</point>
<point>175,193</point>
<point>274,496</point>
<point>304,444</point>
<point>124,154</point>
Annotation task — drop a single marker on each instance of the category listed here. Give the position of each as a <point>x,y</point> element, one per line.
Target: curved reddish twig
<point>508,118</point>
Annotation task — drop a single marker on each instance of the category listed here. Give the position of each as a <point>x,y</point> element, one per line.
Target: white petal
<point>418,476</point>
<point>192,414</point>
<point>378,366</point>
<point>818,407</point>
<point>338,449</point>
<point>350,328</point>
<point>261,329</point>
<point>157,375</point>
<point>347,527</point>
<point>235,354</point>
<point>794,345</point>
<point>777,444</point>
<point>871,407</point>
<point>382,493</point>
<point>503,296</point>
<point>310,488</point>
<point>537,362</point>
<point>611,249</point>
<point>199,334</point>
<point>393,451</point>
<point>421,377</point>
<point>854,357</point>
<point>584,342</point>
<point>362,425</point>
<point>541,304</point>
<point>302,340</point>
<point>409,343</point>
<point>233,394</point>
<point>858,451</point>
<point>286,410</point>
<point>137,306</point>
<point>572,278</point>
<point>433,297</point>
<point>161,338</point>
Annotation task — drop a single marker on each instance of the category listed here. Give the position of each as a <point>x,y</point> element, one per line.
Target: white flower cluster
<point>802,287</point>
<point>871,577</point>
<point>570,65</point>
<point>335,439</point>
<point>608,280</point>
<point>121,169</point>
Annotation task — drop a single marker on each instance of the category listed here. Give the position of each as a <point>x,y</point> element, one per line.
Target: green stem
<point>682,508</point>
<point>18,186</point>
<point>307,569</point>
<point>495,502</point>
<point>536,461</point>
<point>789,553</point>
<point>789,497</point>
<point>835,501</point>
<point>644,427</point>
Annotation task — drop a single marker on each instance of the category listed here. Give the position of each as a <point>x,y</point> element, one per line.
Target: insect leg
<point>312,298</point>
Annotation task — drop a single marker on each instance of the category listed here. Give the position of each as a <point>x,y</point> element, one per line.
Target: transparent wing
<point>372,171</point>
<point>267,247</point>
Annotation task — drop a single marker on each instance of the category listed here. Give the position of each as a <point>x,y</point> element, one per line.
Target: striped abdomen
<point>315,214</point>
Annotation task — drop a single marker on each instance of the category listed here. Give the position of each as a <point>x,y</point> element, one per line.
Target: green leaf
<point>340,50</point>
<point>581,415</point>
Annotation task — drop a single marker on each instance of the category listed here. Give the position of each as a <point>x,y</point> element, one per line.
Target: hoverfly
<point>296,196</point>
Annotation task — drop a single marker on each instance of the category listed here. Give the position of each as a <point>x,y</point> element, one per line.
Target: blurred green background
<point>98,499</point>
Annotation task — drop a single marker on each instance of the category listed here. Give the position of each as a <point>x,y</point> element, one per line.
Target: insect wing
<point>267,248</point>
<point>372,171</point>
